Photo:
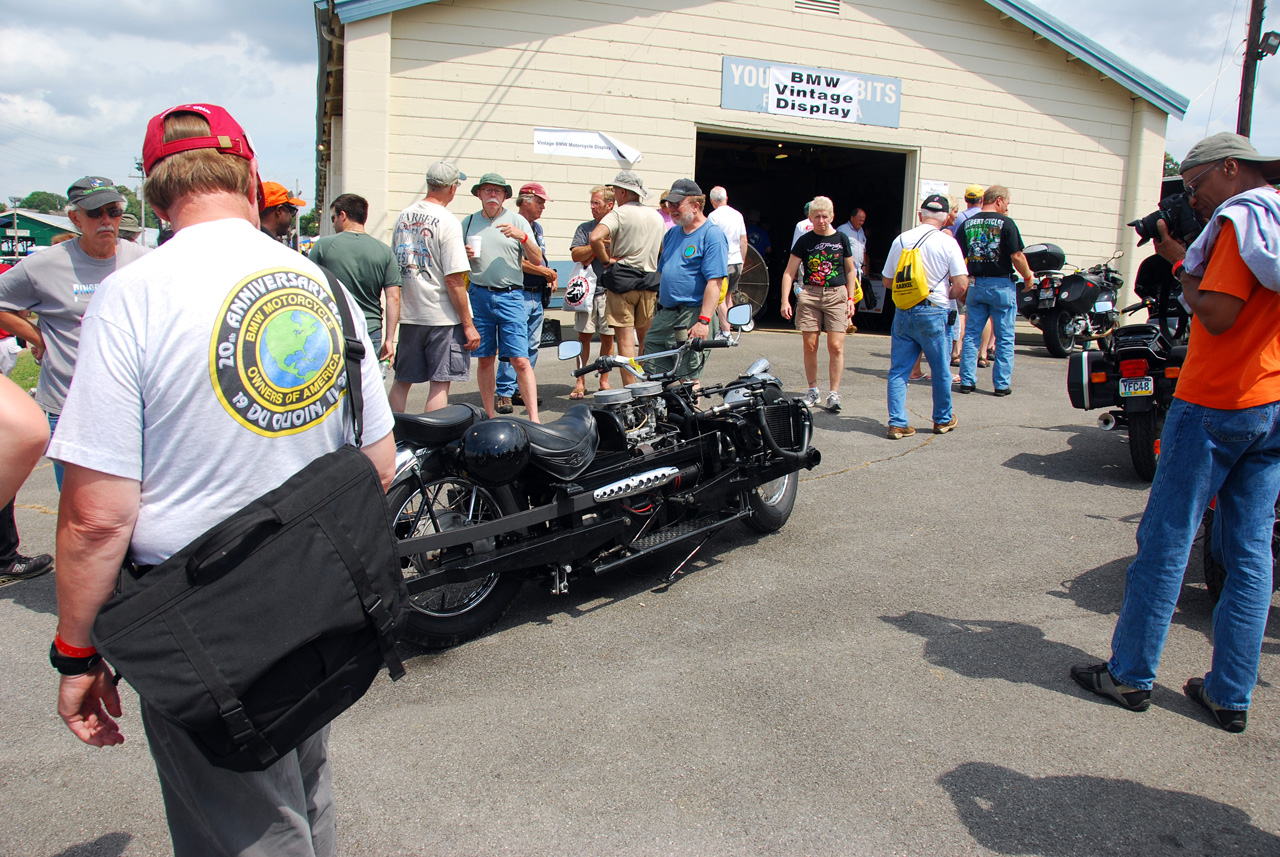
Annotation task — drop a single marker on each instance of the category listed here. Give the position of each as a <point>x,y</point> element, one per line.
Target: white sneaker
<point>833,402</point>
<point>811,398</point>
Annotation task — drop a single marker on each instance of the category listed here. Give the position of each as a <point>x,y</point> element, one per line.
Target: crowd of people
<point>155,345</point>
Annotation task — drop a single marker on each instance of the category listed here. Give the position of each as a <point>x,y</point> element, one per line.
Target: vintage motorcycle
<point>1072,309</point>
<point>1138,371</point>
<point>482,505</point>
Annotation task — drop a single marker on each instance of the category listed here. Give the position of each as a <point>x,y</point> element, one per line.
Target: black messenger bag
<point>275,621</point>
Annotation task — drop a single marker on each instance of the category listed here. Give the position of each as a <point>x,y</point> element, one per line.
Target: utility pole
<point>1252,53</point>
<point>142,200</point>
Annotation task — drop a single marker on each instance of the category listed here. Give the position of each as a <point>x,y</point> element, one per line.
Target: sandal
<point>577,394</point>
<point>984,363</point>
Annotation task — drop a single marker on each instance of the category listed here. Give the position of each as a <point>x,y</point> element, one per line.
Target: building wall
<point>982,101</point>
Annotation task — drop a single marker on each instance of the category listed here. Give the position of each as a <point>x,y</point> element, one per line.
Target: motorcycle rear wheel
<point>455,612</point>
<point>1215,573</point>
<point>771,503</point>
<point>1057,339</point>
<point>1145,428</point>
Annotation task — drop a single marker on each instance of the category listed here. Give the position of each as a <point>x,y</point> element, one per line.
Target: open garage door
<point>770,180</point>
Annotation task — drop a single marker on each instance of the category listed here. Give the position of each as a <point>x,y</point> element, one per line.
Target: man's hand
<point>511,232</point>
<point>88,703</point>
<point>472,335</point>
<point>388,351</point>
<point>1168,247</point>
<point>699,331</point>
<point>37,346</point>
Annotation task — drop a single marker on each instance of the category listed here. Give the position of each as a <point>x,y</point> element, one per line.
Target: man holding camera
<point>1221,437</point>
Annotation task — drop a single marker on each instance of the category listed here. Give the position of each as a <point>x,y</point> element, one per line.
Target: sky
<point>79,81</point>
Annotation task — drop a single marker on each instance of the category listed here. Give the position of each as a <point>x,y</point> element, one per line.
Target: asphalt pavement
<point>887,675</point>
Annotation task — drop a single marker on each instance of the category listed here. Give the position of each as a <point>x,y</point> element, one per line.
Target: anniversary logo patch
<point>276,354</point>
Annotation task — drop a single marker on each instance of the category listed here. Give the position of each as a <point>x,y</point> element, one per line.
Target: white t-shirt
<point>942,260</point>
<point>730,221</point>
<point>857,243</point>
<point>428,244</point>
<point>802,226</point>
<point>211,371</point>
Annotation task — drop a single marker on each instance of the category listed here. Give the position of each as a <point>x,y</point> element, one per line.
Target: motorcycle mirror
<point>740,315</point>
<point>569,349</point>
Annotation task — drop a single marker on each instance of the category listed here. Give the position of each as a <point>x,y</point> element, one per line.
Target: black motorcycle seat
<point>565,447</point>
<point>1177,355</point>
<point>438,426</point>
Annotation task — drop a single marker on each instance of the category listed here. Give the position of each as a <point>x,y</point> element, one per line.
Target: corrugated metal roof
<point>1028,14</point>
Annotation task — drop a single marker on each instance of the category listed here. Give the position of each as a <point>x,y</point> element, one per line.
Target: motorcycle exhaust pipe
<point>1109,421</point>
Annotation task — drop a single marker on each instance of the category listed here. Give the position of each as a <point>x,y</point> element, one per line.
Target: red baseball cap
<point>537,190</point>
<point>225,135</point>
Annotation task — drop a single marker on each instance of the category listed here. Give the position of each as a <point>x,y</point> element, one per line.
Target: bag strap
<point>353,352</point>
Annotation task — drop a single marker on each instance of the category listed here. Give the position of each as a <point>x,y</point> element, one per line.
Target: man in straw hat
<point>1221,438</point>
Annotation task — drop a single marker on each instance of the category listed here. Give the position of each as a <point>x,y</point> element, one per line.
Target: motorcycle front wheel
<point>452,613</point>
<point>1215,573</point>
<point>771,503</point>
<point>1144,435</point>
<point>1057,338</point>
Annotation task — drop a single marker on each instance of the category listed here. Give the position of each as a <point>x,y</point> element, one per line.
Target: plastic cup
<point>474,242</point>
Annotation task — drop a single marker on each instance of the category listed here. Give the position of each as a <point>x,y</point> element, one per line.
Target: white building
<point>874,104</point>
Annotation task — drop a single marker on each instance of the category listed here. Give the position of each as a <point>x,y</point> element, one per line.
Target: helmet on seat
<point>495,451</point>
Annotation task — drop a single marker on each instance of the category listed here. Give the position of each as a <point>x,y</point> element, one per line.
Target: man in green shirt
<point>366,266</point>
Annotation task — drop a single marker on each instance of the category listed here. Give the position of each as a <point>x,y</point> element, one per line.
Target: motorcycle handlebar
<point>704,344</point>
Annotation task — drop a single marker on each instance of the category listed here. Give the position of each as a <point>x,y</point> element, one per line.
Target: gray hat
<point>628,180</point>
<point>1228,145</point>
<point>493,179</point>
<point>93,192</point>
<point>129,226</point>
<point>444,174</point>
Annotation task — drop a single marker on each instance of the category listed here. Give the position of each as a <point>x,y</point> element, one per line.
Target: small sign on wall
<point>569,143</point>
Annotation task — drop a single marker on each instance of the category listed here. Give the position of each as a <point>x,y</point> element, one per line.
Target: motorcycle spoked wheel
<point>1215,573</point>
<point>1057,339</point>
<point>1145,428</point>
<point>771,503</point>
<point>455,612</point>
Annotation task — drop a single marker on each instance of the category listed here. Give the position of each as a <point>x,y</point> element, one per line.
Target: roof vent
<point>824,7</point>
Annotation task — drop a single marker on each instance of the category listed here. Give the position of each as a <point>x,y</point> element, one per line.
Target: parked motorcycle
<point>1137,371</point>
<point>1215,573</point>
<point>1071,309</point>
<point>483,505</point>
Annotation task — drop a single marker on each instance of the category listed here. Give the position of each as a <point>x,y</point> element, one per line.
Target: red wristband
<point>1177,266</point>
<point>72,651</point>
<point>704,319</point>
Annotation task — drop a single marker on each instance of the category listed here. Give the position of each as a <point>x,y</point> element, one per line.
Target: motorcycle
<point>1138,371</point>
<point>1072,309</point>
<point>482,505</point>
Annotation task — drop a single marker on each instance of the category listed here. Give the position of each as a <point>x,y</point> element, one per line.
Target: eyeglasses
<point>292,209</point>
<point>101,211</point>
<point>1192,185</point>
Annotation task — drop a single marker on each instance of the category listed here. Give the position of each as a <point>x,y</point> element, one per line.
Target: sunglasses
<point>103,211</point>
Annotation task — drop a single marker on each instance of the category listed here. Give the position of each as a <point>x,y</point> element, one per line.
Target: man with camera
<point>1221,437</point>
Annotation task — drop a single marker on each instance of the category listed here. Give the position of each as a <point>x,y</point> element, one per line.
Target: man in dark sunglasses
<point>277,210</point>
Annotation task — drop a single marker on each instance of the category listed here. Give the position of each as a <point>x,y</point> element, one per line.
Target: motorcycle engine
<point>639,406</point>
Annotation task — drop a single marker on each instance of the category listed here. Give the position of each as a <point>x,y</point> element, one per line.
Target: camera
<point>1178,216</point>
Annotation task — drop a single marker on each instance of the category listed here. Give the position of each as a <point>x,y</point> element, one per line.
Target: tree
<point>309,223</point>
<point>44,202</point>
<point>1172,166</point>
<point>134,207</point>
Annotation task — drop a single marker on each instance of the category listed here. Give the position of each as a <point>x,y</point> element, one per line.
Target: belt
<point>678,306</point>
<point>536,291</point>
<point>497,288</point>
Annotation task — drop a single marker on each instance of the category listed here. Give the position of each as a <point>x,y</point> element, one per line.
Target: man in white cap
<point>734,227</point>
<point>631,262</point>
<point>1221,438</point>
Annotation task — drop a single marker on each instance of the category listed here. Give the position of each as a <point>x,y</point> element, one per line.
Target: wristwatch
<point>72,660</point>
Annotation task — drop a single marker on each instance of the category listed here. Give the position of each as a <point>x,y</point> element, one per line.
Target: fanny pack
<point>620,278</point>
<point>275,621</point>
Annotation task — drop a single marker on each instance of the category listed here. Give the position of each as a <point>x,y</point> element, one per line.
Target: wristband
<point>1177,267</point>
<point>704,319</point>
<point>72,651</point>
<point>72,666</point>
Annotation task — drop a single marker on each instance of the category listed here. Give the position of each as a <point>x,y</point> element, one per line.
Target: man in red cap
<point>277,210</point>
<point>539,283</point>
<point>191,342</point>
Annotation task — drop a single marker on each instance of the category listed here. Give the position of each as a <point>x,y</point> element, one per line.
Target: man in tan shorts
<point>822,261</point>
<point>631,263</point>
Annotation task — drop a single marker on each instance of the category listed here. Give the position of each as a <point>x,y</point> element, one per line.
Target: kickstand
<point>679,569</point>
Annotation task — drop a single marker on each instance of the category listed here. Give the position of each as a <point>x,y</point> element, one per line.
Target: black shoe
<point>967,388</point>
<point>1007,391</point>
<point>1229,719</point>
<point>27,567</point>
<point>1096,678</point>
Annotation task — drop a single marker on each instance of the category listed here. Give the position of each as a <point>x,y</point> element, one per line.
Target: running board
<point>668,536</point>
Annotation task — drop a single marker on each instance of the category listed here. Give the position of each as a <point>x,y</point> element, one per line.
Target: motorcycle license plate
<point>1047,294</point>
<point>1103,306</point>
<point>1137,386</point>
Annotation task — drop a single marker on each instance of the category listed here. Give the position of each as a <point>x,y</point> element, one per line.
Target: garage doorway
<point>770,180</point>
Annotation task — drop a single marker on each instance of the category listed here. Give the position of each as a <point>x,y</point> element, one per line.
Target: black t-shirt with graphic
<point>822,258</point>
<point>987,240</point>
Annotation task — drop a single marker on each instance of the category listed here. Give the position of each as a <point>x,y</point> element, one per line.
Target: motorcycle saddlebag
<point>1085,393</point>
<point>1078,293</point>
<point>1045,257</point>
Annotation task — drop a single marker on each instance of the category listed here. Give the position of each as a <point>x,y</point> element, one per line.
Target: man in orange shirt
<point>1221,437</point>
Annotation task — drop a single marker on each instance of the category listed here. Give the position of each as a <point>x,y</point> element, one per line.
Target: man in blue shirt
<point>694,264</point>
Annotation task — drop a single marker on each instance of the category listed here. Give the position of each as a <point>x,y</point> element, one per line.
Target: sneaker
<point>967,388</point>
<point>1229,719</point>
<point>833,402</point>
<point>27,567</point>
<point>503,405</point>
<point>943,428</point>
<point>811,398</point>
<point>1007,391</point>
<point>1096,678</point>
<point>723,335</point>
<point>899,432</point>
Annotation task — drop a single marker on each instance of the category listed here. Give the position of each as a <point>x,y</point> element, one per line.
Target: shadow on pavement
<point>1081,816</point>
<point>38,594</point>
<point>110,845</point>
<point>1093,457</point>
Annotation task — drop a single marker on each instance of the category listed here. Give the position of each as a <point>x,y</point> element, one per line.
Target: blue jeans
<point>507,385</point>
<point>57,468</point>
<point>993,298</point>
<point>921,329</point>
<point>1203,452</point>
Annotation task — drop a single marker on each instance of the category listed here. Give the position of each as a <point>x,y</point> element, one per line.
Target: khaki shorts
<point>630,309</point>
<point>593,321</point>
<point>819,309</point>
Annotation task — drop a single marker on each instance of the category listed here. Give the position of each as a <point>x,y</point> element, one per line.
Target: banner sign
<point>583,144</point>
<point>759,86</point>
